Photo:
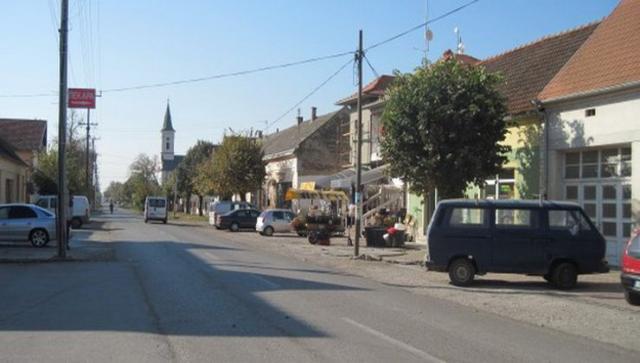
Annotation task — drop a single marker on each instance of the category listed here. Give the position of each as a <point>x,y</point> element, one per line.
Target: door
<point>281,221</point>
<point>21,220</point>
<point>6,230</point>
<point>518,241</point>
<point>572,237</point>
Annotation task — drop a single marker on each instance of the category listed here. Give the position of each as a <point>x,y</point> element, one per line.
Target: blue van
<point>555,240</point>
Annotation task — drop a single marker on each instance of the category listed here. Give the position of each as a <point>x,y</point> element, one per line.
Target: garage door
<point>599,180</point>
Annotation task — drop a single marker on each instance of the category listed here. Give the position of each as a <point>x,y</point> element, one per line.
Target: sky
<point>121,43</point>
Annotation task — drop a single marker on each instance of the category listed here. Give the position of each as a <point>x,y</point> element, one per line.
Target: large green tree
<point>142,181</point>
<point>237,166</point>
<point>442,127</point>
<point>188,170</point>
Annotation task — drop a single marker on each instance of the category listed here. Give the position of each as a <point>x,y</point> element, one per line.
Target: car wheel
<point>565,276</point>
<point>547,278</point>
<point>632,298</point>
<point>301,234</point>
<point>39,238</point>
<point>312,237</point>
<point>164,221</point>
<point>461,272</point>
<point>146,220</point>
<point>234,227</point>
<point>76,223</point>
<point>268,231</point>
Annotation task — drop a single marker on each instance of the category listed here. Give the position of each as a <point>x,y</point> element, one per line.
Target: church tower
<point>168,136</point>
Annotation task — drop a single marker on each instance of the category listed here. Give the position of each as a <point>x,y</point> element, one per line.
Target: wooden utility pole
<point>63,203</point>
<point>359,56</point>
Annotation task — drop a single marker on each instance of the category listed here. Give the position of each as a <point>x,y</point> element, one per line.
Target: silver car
<point>275,220</point>
<point>26,222</point>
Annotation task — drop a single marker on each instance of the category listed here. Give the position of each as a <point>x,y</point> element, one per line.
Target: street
<point>174,293</point>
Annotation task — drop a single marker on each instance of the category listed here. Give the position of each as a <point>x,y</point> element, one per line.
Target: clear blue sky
<point>127,43</point>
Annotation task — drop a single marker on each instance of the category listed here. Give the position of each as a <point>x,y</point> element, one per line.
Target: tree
<point>45,176</point>
<point>443,126</point>
<point>142,180</point>
<point>188,170</point>
<point>237,166</point>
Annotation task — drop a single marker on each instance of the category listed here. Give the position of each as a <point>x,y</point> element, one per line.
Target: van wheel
<point>234,227</point>
<point>164,221</point>
<point>632,298</point>
<point>146,220</point>
<point>38,238</point>
<point>268,231</point>
<point>565,276</point>
<point>461,272</point>
<point>76,223</point>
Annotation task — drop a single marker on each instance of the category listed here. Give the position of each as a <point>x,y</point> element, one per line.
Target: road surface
<point>175,293</point>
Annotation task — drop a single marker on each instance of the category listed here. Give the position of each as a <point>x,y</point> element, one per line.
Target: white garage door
<point>600,180</point>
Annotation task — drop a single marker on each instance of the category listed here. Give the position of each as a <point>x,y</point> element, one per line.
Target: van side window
<point>567,220</point>
<point>516,218</point>
<point>43,203</point>
<point>467,217</point>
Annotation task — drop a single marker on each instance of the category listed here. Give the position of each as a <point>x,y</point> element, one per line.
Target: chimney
<point>314,113</point>
<point>299,118</point>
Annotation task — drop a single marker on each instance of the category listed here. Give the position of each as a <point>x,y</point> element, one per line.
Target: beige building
<point>13,175</point>
<point>27,138</point>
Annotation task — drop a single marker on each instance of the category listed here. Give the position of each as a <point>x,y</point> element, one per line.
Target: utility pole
<point>88,176</point>
<point>359,56</point>
<point>61,221</point>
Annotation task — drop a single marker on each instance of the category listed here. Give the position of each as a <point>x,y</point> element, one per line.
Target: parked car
<point>275,220</point>
<point>237,219</point>
<point>630,276</point>
<point>27,222</point>
<point>223,206</point>
<point>155,208</point>
<point>556,240</point>
<point>80,208</point>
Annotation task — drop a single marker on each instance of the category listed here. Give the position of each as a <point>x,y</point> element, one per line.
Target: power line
<point>421,25</point>
<point>375,73</point>
<point>232,74</point>
<point>309,94</point>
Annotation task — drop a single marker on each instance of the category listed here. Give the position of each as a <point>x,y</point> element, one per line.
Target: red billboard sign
<point>82,98</point>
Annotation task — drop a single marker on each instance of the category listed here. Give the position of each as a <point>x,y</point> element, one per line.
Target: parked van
<point>80,208</point>
<point>556,240</point>
<point>224,206</point>
<point>155,208</point>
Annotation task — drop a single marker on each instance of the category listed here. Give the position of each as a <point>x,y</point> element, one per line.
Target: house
<point>526,70</point>
<point>27,138</point>
<point>592,107</point>
<point>169,161</point>
<point>13,175</point>
<point>309,149</point>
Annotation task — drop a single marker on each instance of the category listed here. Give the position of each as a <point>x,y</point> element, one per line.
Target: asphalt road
<point>182,294</point>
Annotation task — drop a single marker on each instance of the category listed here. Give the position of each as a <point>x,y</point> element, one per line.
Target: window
<point>167,146</point>
<point>241,213</point>
<point>625,156</point>
<point>604,163</point>
<point>467,217</point>
<point>572,165</point>
<point>571,221</point>
<point>277,215</point>
<point>157,203</point>
<point>634,247</point>
<point>516,218</point>
<point>4,213</point>
<point>590,112</point>
<point>20,212</point>
<point>43,203</point>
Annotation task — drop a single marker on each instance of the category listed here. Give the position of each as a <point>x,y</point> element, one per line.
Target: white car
<point>275,221</point>
<point>80,213</point>
<point>155,208</point>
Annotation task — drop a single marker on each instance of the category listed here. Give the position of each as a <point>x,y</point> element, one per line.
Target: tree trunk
<point>188,204</point>
<point>200,201</point>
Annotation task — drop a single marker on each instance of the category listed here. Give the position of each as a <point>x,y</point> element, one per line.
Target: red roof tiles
<point>609,58</point>
<point>24,134</point>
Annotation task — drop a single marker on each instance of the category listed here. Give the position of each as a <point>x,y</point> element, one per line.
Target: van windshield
<point>156,203</point>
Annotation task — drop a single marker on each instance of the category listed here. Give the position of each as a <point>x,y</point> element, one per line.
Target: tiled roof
<point>609,58</point>
<point>7,151</point>
<point>24,134</point>
<point>374,88</point>
<point>287,140</point>
<point>528,68</point>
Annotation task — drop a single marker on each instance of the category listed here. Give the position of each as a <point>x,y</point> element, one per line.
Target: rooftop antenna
<point>460,45</point>
<point>428,34</point>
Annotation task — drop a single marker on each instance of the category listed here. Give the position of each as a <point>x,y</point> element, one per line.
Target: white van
<point>155,208</point>
<point>223,206</point>
<point>81,210</point>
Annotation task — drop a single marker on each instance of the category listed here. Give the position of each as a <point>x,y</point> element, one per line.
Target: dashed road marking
<point>400,344</point>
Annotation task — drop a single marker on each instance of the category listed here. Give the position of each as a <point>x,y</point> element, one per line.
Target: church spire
<point>166,125</point>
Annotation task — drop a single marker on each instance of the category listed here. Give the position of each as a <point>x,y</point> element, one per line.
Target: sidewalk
<point>84,246</point>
